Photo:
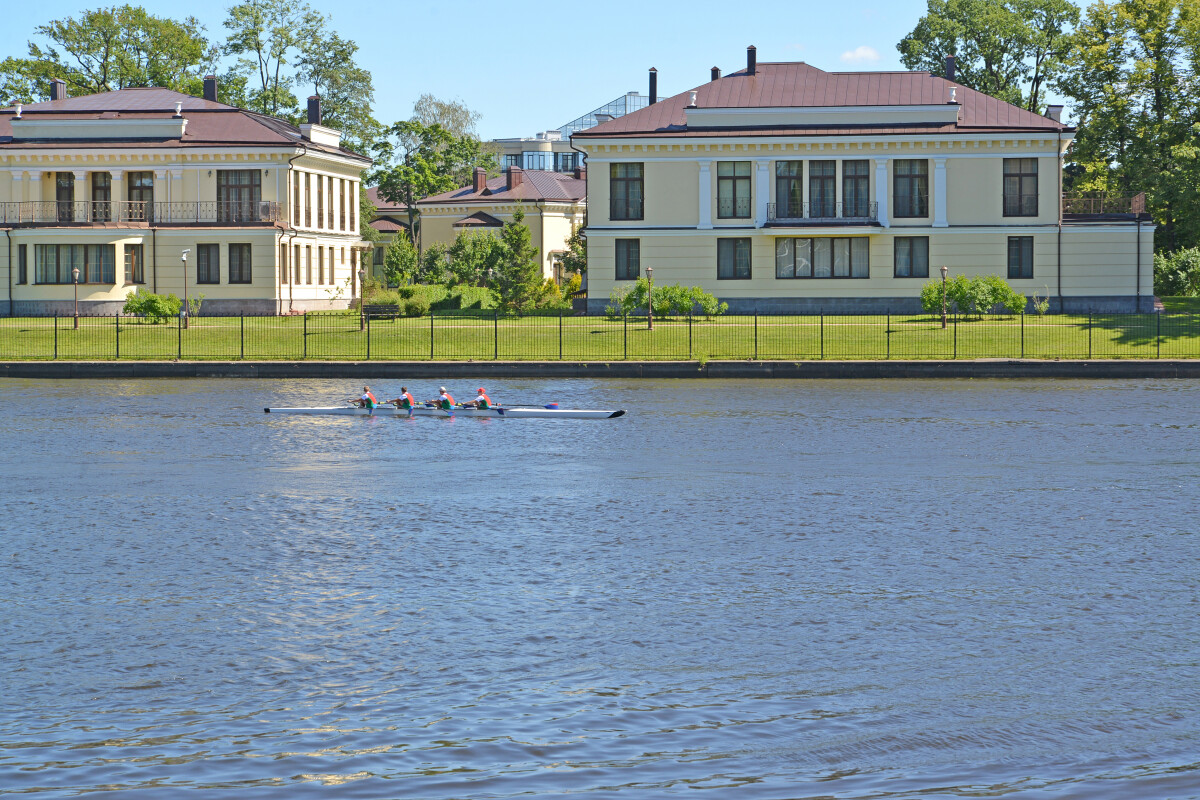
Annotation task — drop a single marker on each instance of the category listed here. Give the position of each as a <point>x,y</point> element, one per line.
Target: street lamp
<point>649,298</point>
<point>75,275</point>
<point>944,271</point>
<point>184,308</point>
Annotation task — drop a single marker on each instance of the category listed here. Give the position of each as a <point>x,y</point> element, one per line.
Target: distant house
<point>112,190</point>
<point>390,218</point>
<point>551,150</point>
<point>553,203</point>
<point>782,187</point>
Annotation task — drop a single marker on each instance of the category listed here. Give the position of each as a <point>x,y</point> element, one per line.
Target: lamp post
<point>184,308</point>
<point>362,311</point>
<point>75,276</point>
<point>944,271</point>
<point>649,298</point>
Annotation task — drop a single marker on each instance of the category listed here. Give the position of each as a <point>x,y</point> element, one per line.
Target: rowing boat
<point>494,412</point>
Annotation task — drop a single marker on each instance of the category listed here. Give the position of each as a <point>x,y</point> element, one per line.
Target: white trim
<point>1048,229</point>
<point>939,193</point>
<point>826,115</point>
<point>849,155</point>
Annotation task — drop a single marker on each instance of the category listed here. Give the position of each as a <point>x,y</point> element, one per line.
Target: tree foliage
<point>575,259</point>
<point>983,294</point>
<point>474,256</point>
<point>401,264</point>
<point>519,275</point>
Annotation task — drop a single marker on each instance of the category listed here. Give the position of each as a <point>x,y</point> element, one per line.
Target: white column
<point>881,191</point>
<point>35,185</point>
<point>160,191</point>
<point>763,195</point>
<point>82,196</point>
<point>18,180</point>
<point>837,189</point>
<point>175,195</point>
<point>704,211</point>
<point>939,193</point>
<point>117,191</point>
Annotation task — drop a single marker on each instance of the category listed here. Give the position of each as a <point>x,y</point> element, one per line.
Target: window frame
<point>1024,252</point>
<point>737,182</point>
<point>822,189</point>
<point>1014,205</point>
<point>909,241</point>
<point>916,189</point>
<point>788,183</point>
<point>241,263</point>
<point>733,244</point>
<point>135,264</point>
<point>829,247</point>
<point>626,202</point>
<point>206,264</point>
<point>86,264</point>
<point>22,264</point>
<point>629,246</point>
<point>852,199</point>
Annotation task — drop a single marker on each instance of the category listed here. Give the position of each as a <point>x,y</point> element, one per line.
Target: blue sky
<point>529,68</point>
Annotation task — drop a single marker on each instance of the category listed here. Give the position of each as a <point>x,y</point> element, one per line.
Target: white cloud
<point>861,55</point>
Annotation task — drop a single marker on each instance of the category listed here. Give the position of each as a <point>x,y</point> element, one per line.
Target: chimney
<point>716,73</point>
<point>1054,113</point>
<point>314,110</point>
<point>950,67</point>
<point>210,88</point>
<point>58,89</point>
<point>516,176</point>
<point>581,173</point>
<point>480,180</point>
<point>653,86</point>
<point>751,60</point>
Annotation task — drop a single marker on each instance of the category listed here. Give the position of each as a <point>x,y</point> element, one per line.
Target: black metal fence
<point>460,336</point>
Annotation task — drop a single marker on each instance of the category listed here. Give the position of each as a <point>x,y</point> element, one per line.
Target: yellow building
<point>783,188</point>
<point>153,189</point>
<point>553,204</point>
<point>390,219</point>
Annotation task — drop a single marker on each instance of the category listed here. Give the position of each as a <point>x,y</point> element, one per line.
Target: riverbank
<point>984,368</point>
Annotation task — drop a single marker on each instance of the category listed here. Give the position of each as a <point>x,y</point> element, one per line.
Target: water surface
<point>761,589</point>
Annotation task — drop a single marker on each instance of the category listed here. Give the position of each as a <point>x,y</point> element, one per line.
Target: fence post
<point>756,333</point>
<point>117,321</point>
<point>560,346</point>
<point>1022,336</point>
<point>56,337</point>
<point>431,334</point>
<point>496,334</point>
<point>822,335</point>
<point>689,337</point>
<point>625,316</point>
<point>305,336</point>
<point>368,316</point>
<point>178,337</point>
<point>242,337</point>
<point>1089,334</point>
<point>888,332</point>
<point>1158,335</point>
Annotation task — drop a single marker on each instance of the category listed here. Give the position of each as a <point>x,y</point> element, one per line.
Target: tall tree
<point>266,36</point>
<point>347,95</point>
<point>518,278</point>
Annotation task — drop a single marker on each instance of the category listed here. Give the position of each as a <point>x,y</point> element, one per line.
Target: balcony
<point>135,214</point>
<point>822,213</point>
<point>1102,207</point>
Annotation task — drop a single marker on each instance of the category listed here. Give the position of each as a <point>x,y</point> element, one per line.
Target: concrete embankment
<point>58,370</point>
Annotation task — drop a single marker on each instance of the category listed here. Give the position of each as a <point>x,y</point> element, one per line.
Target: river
<point>757,589</point>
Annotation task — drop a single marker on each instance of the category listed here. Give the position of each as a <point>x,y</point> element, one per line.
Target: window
<point>238,194</point>
<point>320,201</point>
<point>296,264</point>
<point>565,162</point>
<point>378,257</point>
<point>296,198</point>
<point>320,265</point>
<point>1020,187</point>
<point>307,200</point>
<point>912,257</point>
<point>856,190</point>
<point>55,262</point>
<point>789,189</point>
<point>342,204</point>
<point>625,191</point>
<point>101,196</point>
<point>733,189</point>
<point>353,204</point>
<point>283,265</point>
<point>733,259</point>
<point>134,267</point>
<point>844,257</point>
<point>329,203</point>
<point>140,191</point>
<point>22,264</point>
<point>208,263</point>
<point>822,179</point>
<point>239,263</point>
<point>511,161</point>
<point>1020,257</point>
<point>308,264</point>
<point>629,259</point>
<point>912,187</point>
<point>64,194</point>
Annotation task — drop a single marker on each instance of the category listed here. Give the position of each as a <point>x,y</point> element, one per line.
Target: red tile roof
<point>536,185</point>
<point>799,85</point>
<point>209,124</point>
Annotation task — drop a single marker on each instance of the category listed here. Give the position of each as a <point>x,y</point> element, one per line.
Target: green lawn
<point>336,336</point>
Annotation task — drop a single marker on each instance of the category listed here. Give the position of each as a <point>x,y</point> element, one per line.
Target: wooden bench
<point>381,311</point>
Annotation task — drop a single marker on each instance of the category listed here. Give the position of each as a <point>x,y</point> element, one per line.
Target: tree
<point>366,211</point>
<point>266,36</point>
<point>1009,49</point>
<point>347,95</point>
<point>453,115</point>
<point>473,256</point>
<point>519,276</point>
<point>575,259</point>
<point>107,49</point>
<point>401,264</point>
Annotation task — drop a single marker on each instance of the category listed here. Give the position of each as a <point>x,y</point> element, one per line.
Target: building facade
<point>153,189</point>
<point>551,150</point>
<point>553,204</point>
<point>783,188</point>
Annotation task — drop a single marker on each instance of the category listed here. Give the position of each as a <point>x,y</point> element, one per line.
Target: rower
<point>404,401</point>
<point>482,401</point>
<point>444,400</point>
<point>367,400</point>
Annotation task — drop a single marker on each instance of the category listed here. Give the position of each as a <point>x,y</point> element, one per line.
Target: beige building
<point>553,204</point>
<point>783,188</point>
<point>124,186</point>
<point>390,219</point>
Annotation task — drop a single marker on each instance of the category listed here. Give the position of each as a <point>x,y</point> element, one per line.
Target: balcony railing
<point>1104,205</point>
<point>138,213</point>
<point>822,213</point>
<point>734,208</point>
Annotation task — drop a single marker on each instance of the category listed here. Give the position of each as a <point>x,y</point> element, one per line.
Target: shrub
<point>383,297</point>
<point>673,299</point>
<point>416,307</point>
<point>972,296</point>
<point>154,307</point>
<point>1177,274</point>
<point>616,302</point>
<point>406,292</point>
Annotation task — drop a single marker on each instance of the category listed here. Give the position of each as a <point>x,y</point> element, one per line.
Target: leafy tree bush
<point>400,261</point>
<point>416,307</point>
<point>472,256</point>
<point>518,276</point>
<point>1177,274</point>
<point>154,307</point>
<point>671,300</point>
<point>976,296</point>
<point>433,264</point>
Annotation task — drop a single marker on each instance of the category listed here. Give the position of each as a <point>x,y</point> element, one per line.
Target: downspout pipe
<point>583,231</point>
<point>1058,154</point>
<point>293,233</point>
<point>154,258</point>
<point>1138,245</point>
<point>8,235</point>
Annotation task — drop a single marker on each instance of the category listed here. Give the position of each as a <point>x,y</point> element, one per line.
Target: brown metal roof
<point>480,219</point>
<point>536,185</point>
<point>383,206</point>
<point>799,85</point>
<point>208,124</point>
<point>387,225</point>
